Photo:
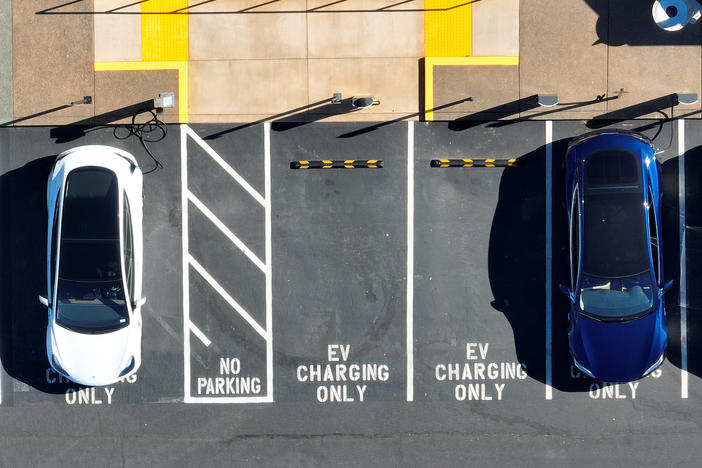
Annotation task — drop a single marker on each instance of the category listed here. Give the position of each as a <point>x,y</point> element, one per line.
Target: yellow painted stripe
<point>164,36</point>
<point>182,68</point>
<point>430,62</point>
<point>447,28</point>
<point>496,60</point>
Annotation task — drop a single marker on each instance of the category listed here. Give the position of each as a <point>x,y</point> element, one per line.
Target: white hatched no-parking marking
<point>264,330</point>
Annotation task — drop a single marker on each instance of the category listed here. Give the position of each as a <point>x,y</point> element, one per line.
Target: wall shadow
<point>512,108</point>
<point>657,105</point>
<point>629,22</point>
<point>37,114</point>
<point>76,130</point>
<point>23,319</point>
<point>671,256</point>
<point>60,9</point>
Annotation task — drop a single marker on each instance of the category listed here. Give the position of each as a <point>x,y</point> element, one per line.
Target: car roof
<point>614,224</point>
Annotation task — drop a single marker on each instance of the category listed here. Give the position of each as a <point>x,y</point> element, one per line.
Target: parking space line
<point>269,260</point>
<point>225,295</point>
<point>549,241</point>
<point>239,399</point>
<point>683,272</point>
<point>185,265</point>
<point>230,235</point>
<point>227,168</point>
<point>197,332</point>
<point>410,261</point>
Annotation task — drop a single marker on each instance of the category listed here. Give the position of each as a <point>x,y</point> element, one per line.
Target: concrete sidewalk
<point>247,60</point>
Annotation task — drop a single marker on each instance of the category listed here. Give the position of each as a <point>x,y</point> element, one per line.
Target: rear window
<point>612,168</point>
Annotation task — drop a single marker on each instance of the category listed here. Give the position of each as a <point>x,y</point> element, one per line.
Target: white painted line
<point>269,260</point>
<point>197,332</point>
<point>227,168</point>
<point>683,272</point>
<point>186,269</point>
<point>248,399</point>
<point>230,300</point>
<point>549,241</point>
<point>410,261</point>
<point>230,235</point>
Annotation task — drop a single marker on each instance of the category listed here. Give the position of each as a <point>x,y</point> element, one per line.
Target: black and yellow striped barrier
<point>474,162</point>
<point>338,164</point>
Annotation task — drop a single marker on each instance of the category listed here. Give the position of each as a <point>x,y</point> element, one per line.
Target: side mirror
<point>138,303</point>
<point>44,301</point>
<point>566,290</point>
<point>667,286</point>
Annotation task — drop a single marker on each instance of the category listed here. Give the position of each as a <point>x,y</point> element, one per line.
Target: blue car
<point>617,321</point>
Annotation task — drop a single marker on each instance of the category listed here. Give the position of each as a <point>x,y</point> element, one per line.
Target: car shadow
<point>23,320</point>
<point>693,263</point>
<point>517,266</point>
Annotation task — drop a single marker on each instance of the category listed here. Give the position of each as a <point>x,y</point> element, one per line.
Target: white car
<point>94,265</point>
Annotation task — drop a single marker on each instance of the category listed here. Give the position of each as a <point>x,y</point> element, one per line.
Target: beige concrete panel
<point>392,80</point>
<point>560,54</point>
<point>649,72</point>
<point>115,90</point>
<point>52,61</point>
<point>247,86</point>
<point>495,26</point>
<point>117,37</point>
<point>476,91</point>
<point>248,35</point>
<point>365,28</point>
<point>359,116</point>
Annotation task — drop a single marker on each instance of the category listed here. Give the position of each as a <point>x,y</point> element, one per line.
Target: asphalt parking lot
<point>280,307</point>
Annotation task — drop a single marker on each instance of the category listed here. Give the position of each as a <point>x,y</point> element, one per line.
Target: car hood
<point>91,359</point>
<point>619,351</point>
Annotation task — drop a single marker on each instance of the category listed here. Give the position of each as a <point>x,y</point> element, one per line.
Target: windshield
<point>89,307</point>
<point>617,298</point>
<point>90,292</point>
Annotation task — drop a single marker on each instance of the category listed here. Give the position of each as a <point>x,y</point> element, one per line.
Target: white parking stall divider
<point>269,259</point>
<point>189,262</point>
<point>549,242</point>
<point>410,260</point>
<point>186,265</point>
<point>683,272</point>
